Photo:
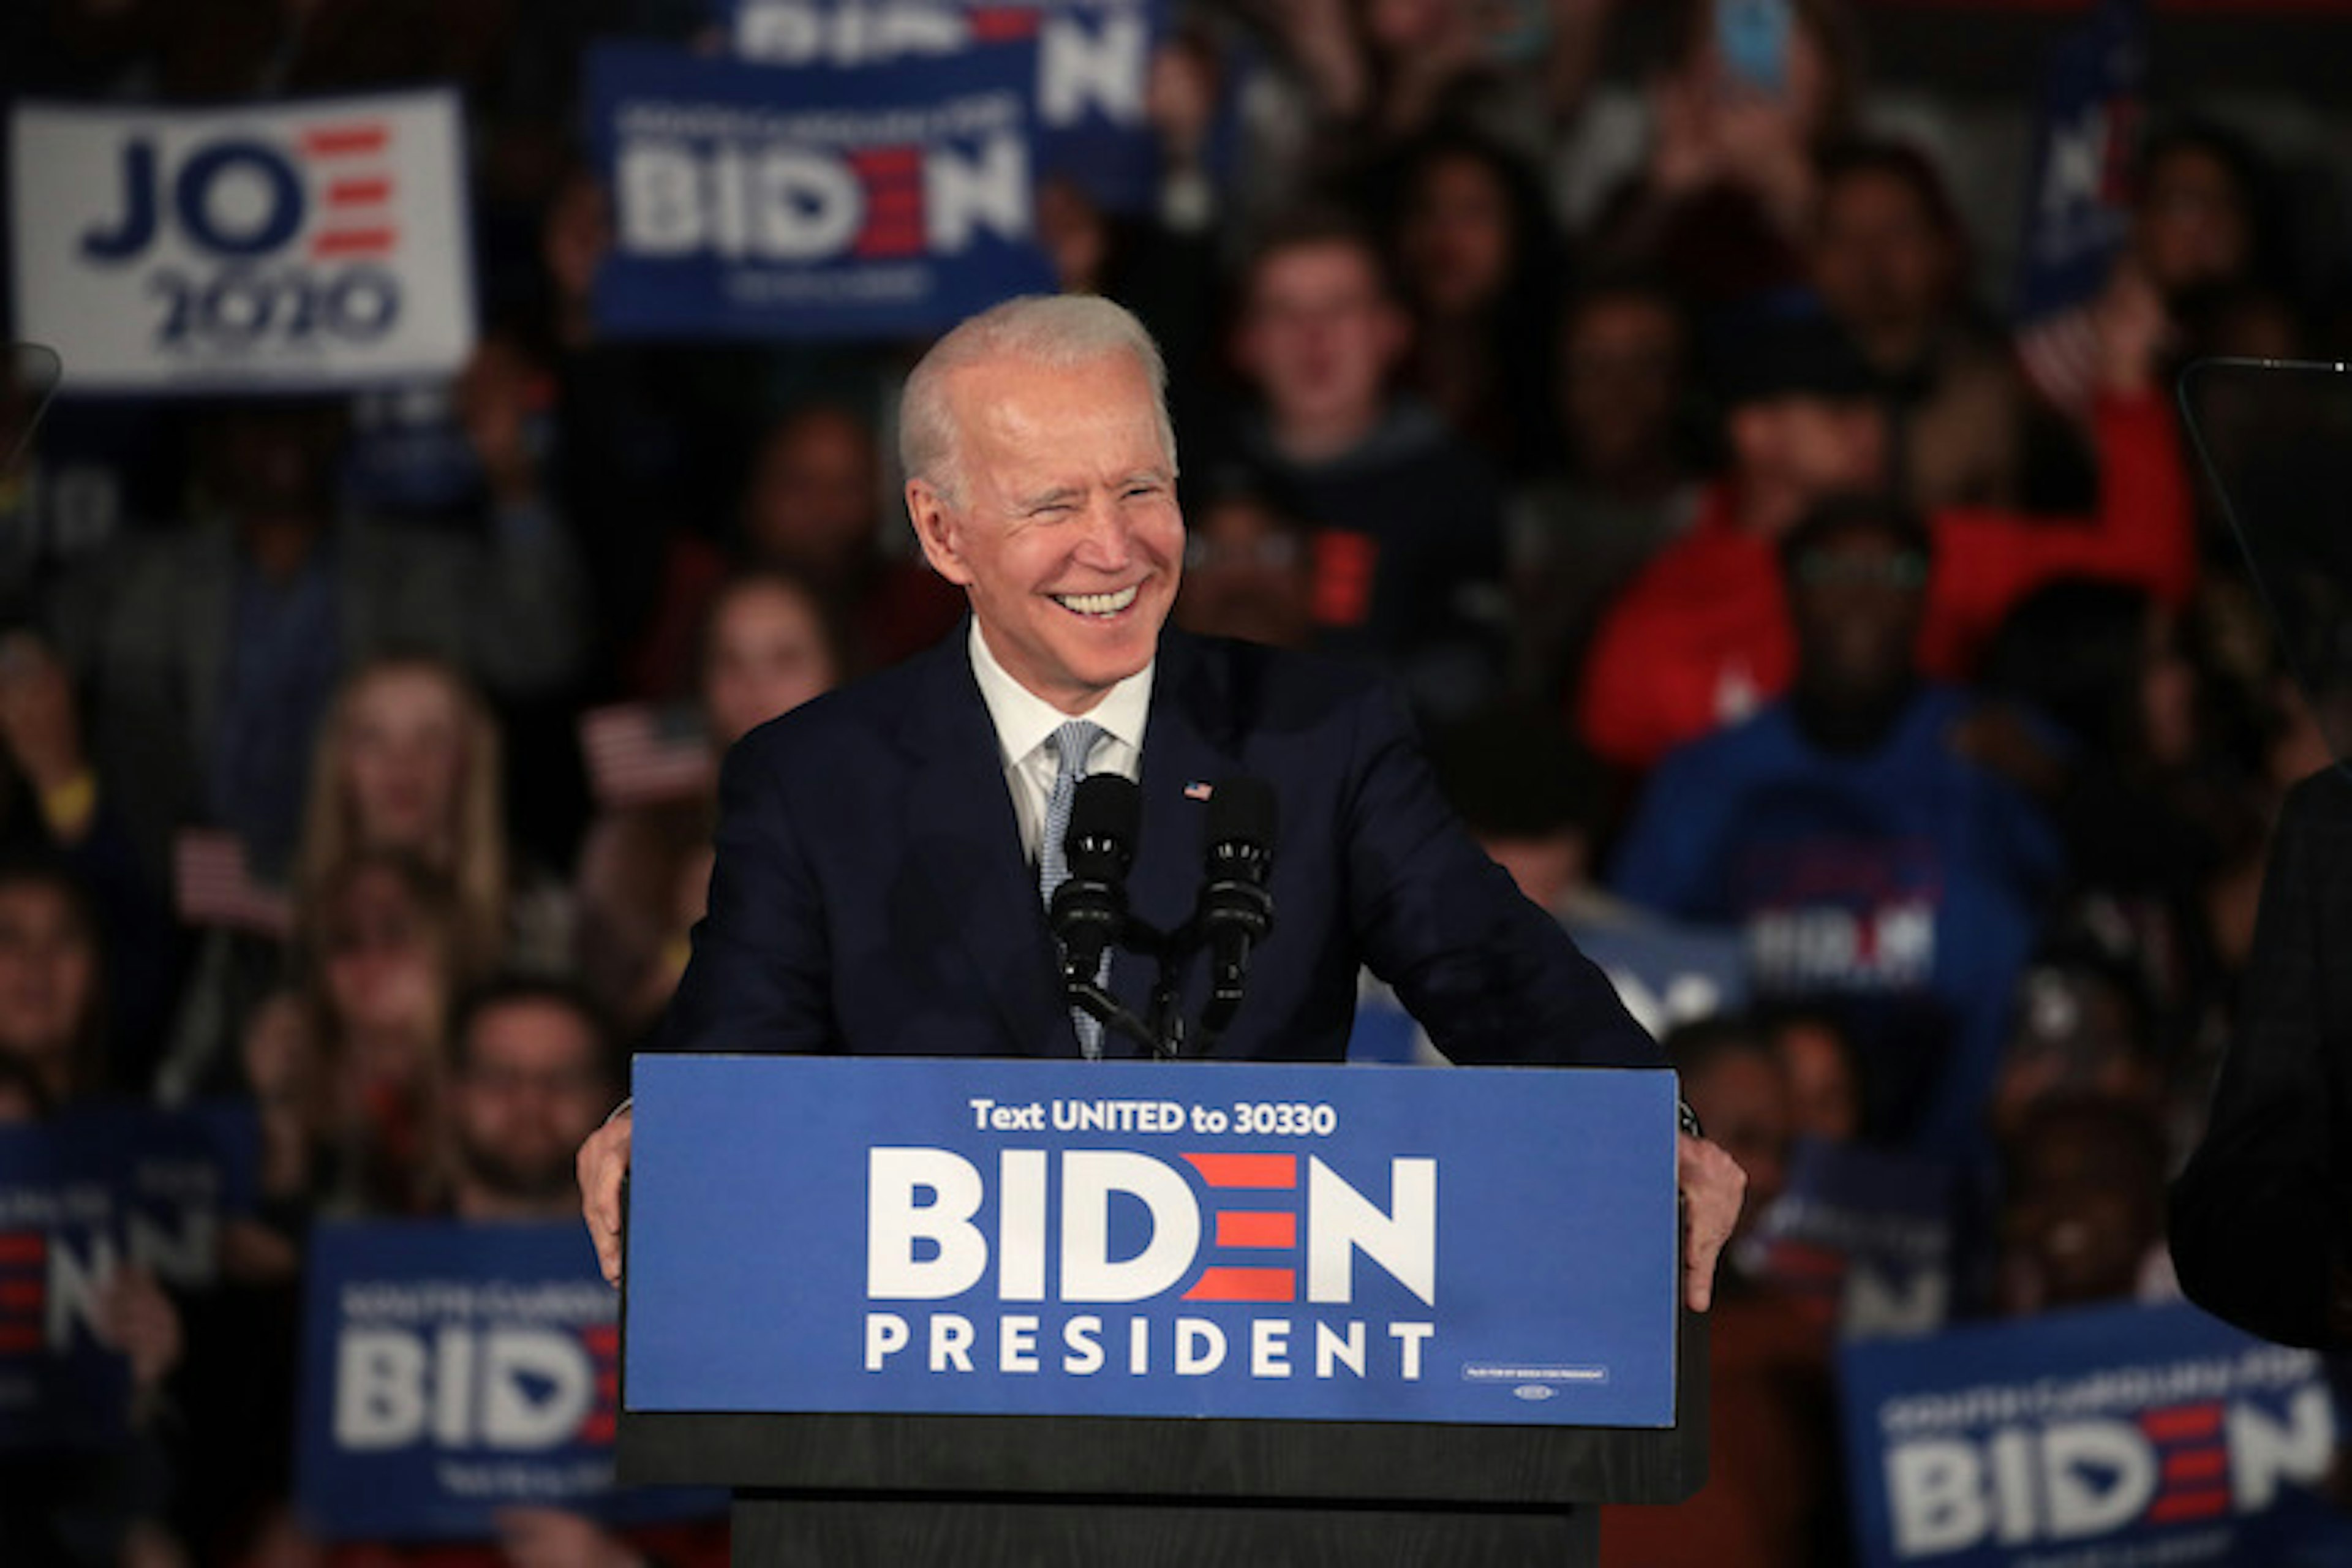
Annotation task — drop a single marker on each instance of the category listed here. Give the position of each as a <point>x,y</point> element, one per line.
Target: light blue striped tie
<point>1072,744</point>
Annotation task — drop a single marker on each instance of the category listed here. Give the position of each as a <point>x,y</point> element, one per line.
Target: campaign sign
<point>1136,1238</point>
<point>452,1370</point>
<point>312,246</point>
<point>2118,1435</point>
<point>179,1174</point>
<point>1863,1237</point>
<point>1665,972</point>
<point>1094,67</point>
<point>60,1242</point>
<point>2079,209</point>
<point>764,201</point>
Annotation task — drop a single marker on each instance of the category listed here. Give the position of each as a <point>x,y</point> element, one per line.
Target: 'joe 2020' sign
<point>306,245</point>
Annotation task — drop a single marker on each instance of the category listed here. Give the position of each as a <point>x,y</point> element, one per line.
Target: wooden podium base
<point>783,1529</point>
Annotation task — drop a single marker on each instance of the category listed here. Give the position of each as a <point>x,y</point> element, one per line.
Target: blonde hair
<point>1059,330</point>
<point>473,855</point>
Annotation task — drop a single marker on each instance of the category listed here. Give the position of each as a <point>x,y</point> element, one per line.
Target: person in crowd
<point>1379,73</point>
<point>1825,1095</point>
<point>383,959</point>
<point>2083,1213</point>
<point>108,1506</point>
<point>2084,1026</point>
<point>1771,1494</point>
<point>409,758</point>
<point>769,646</point>
<point>811,505</point>
<point>1702,635</point>
<point>51,986</point>
<point>1629,482</point>
<point>1474,251</point>
<point>1249,569</point>
<point>2154,805</point>
<point>1408,549</point>
<point>1870,863</point>
<point>1889,257</point>
<point>1535,801</point>
<point>2201,218</point>
<point>530,1074</point>
<point>1725,205</point>
<point>210,652</point>
<point>56,803</point>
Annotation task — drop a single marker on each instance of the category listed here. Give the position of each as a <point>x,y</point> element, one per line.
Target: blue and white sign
<point>61,1386</point>
<point>2111,1435</point>
<point>452,1370</point>
<point>2078,208</point>
<point>754,201</point>
<point>1133,1238</point>
<point>1094,67</point>
<point>299,247</point>
<point>1863,1237</point>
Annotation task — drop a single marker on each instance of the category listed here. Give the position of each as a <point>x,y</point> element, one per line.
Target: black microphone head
<point>1242,812</point>
<point>1105,818</point>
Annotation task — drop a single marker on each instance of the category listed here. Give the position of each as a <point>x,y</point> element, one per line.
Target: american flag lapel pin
<point>1196,791</point>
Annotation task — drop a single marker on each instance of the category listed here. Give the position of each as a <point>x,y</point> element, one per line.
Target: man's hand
<point>1713,1187</point>
<point>604,1161</point>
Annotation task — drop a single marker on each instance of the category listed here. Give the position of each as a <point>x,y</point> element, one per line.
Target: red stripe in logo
<point>1247,1170</point>
<point>353,242</point>
<point>1244,1285</point>
<point>345,141</point>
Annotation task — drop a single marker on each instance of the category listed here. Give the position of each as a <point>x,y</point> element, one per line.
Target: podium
<point>1029,1312</point>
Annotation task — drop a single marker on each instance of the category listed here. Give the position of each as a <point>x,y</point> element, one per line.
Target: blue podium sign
<point>829,1235</point>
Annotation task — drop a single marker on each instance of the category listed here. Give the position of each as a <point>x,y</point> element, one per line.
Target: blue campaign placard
<point>1092,82</point>
<point>1862,1237</point>
<point>2126,1434</point>
<point>452,1370</point>
<point>60,1242</point>
<point>2078,214</point>
<point>1134,1238</point>
<point>758,201</point>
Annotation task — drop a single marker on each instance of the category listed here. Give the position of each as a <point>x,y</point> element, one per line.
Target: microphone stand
<point>1163,1032</point>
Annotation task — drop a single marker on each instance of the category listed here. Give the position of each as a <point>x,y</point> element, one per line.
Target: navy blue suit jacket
<point>871,894</point>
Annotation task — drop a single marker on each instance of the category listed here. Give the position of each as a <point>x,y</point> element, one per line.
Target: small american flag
<point>1196,791</point>
<point>639,753</point>
<point>213,886</point>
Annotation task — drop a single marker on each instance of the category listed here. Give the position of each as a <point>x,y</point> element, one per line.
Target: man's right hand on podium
<point>604,1161</point>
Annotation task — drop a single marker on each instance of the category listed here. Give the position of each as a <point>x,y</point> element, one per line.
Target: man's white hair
<point>1057,331</point>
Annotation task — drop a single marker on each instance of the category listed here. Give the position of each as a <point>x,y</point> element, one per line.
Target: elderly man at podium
<point>886,855</point>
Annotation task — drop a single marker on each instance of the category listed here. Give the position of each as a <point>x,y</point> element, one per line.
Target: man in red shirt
<point>1701,637</point>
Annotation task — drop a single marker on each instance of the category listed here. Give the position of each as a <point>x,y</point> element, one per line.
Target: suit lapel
<point>959,818</point>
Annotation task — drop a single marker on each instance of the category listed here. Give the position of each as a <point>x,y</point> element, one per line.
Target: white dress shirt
<point>1025,722</point>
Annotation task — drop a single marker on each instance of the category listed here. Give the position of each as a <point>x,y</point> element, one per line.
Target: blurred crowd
<point>1762,610</point>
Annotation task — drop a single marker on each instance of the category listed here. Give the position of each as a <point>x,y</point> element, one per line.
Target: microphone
<point>1089,910</point>
<point>1236,910</point>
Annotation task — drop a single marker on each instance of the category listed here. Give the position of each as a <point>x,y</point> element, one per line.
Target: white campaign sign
<point>319,245</point>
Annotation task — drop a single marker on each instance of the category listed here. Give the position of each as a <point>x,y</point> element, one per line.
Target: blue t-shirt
<point>1901,886</point>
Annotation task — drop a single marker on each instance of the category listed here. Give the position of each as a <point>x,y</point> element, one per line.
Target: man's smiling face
<point>1063,528</point>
